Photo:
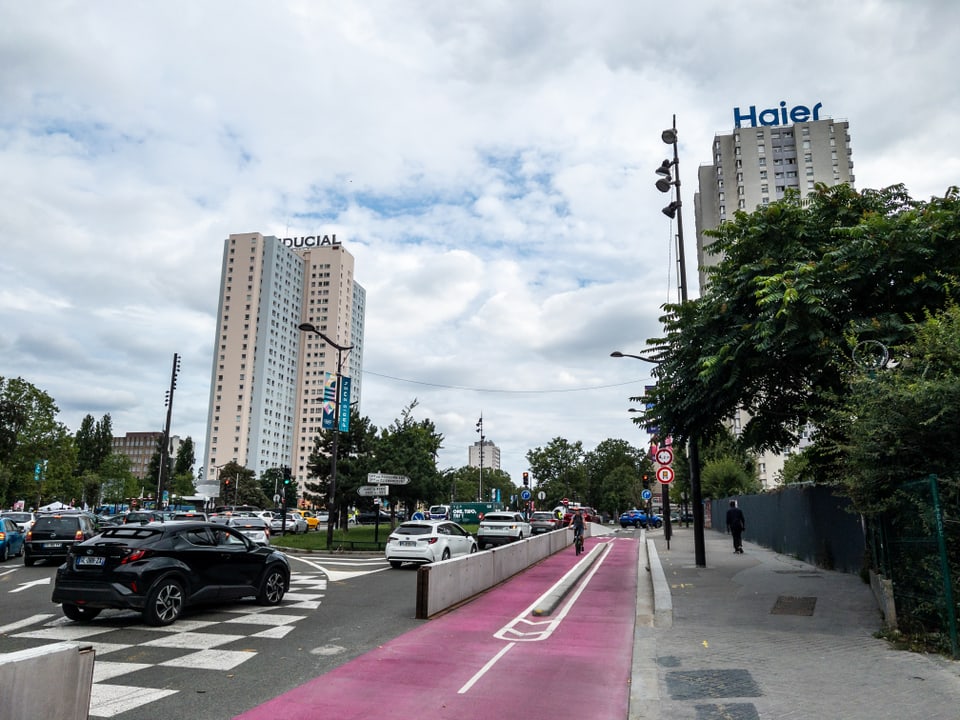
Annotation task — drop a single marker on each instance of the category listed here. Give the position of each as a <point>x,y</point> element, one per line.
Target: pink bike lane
<point>493,658</point>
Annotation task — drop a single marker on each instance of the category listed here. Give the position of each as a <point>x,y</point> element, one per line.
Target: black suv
<point>159,569</point>
<point>53,535</point>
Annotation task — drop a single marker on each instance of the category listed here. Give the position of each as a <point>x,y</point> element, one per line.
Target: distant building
<point>490,453</point>
<point>140,447</point>
<point>754,166</point>
<point>267,379</point>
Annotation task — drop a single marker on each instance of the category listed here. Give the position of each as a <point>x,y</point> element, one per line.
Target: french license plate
<point>50,546</point>
<point>408,543</point>
<point>90,561</point>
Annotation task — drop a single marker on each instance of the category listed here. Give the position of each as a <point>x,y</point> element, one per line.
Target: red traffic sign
<point>665,475</point>
<point>664,456</point>
<point>564,502</point>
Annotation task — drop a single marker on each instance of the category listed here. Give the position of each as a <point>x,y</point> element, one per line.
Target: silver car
<point>254,528</point>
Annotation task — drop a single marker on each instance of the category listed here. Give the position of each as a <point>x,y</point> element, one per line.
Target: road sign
<point>664,456</point>
<point>541,495</point>
<point>373,490</point>
<point>665,475</point>
<point>384,479</point>
<point>524,494</point>
<point>276,498</point>
<point>646,494</point>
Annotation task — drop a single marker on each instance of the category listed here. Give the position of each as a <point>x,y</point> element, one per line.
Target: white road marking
<point>33,619</point>
<point>513,635</point>
<point>211,659</point>
<point>32,583</point>
<point>110,700</point>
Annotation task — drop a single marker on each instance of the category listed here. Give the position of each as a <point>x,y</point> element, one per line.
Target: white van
<point>439,512</point>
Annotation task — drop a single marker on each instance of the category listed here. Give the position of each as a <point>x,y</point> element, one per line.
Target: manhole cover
<point>699,684</point>
<point>788,605</point>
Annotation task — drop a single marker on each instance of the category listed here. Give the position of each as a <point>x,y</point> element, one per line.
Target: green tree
<point>356,450</point>
<point>30,416</point>
<point>117,482</point>
<point>559,471</point>
<point>904,422</point>
<point>614,471</point>
<point>239,486</point>
<point>799,283</point>
<point>409,447</point>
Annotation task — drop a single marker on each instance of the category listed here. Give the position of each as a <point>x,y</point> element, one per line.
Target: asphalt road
<point>218,662</point>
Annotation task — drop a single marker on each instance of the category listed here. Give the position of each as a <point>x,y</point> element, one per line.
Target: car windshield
<point>17,516</point>
<point>498,518</point>
<point>542,516</point>
<point>414,530</point>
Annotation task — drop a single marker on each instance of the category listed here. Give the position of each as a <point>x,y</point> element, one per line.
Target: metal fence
<point>917,546</point>
<point>806,521</point>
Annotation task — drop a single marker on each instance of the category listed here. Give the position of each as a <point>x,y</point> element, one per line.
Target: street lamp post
<point>480,484</point>
<point>669,172</point>
<point>331,513</point>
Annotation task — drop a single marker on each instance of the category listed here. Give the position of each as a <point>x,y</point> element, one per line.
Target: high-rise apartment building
<point>140,447</point>
<point>485,451</point>
<point>753,166</point>
<point>267,380</point>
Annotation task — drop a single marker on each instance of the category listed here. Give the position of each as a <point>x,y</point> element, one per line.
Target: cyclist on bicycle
<point>577,522</point>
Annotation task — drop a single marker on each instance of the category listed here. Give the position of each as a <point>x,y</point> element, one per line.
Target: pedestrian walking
<point>736,524</point>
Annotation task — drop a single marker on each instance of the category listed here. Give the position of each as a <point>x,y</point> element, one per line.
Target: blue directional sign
<point>524,494</point>
<point>646,494</point>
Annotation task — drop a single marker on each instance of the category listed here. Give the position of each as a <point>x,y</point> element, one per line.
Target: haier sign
<point>776,115</point>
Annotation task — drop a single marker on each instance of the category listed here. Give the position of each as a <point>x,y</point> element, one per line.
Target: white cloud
<point>489,165</point>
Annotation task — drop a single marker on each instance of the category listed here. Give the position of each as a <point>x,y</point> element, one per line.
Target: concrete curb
<point>567,583</point>
<point>662,600</point>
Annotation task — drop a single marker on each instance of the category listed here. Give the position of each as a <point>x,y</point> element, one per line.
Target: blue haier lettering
<point>779,115</point>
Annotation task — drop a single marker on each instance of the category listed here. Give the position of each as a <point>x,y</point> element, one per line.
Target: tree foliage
<point>798,285</point>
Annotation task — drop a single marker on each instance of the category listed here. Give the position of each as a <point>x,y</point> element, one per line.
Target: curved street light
<point>331,513</point>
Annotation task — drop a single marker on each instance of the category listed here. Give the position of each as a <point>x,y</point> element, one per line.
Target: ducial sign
<point>308,241</point>
<point>780,115</point>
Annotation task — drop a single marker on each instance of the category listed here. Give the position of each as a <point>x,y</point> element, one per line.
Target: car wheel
<point>164,603</point>
<point>473,548</point>
<point>395,563</point>
<point>446,554</point>
<point>80,614</point>
<point>28,560</point>
<point>519,537</point>
<point>272,587</point>
<point>3,553</point>
<point>658,524</point>
<point>637,523</point>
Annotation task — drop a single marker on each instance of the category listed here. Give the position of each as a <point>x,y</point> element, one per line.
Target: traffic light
<point>646,481</point>
<point>286,476</point>
<point>526,479</point>
<point>226,483</point>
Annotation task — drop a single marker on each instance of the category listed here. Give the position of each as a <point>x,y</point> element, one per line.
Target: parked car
<point>52,535</point>
<point>638,518</point>
<point>499,528</point>
<point>11,539</point>
<point>426,541</point>
<point>160,569</point>
<point>23,519</point>
<point>543,521</point>
<point>255,528</point>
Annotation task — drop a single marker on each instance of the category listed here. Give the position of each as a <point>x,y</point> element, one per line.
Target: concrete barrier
<point>443,584</point>
<point>52,682</point>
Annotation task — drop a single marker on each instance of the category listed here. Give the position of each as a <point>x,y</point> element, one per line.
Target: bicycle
<point>578,542</point>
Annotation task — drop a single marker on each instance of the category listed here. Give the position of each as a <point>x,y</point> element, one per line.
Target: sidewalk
<point>762,635</point>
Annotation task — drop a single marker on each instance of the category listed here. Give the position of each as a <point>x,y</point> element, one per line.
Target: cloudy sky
<point>489,164</point>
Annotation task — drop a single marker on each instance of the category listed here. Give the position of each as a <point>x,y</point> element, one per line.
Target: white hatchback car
<point>500,528</point>
<point>427,541</point>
